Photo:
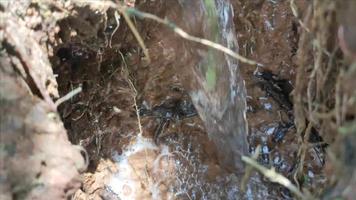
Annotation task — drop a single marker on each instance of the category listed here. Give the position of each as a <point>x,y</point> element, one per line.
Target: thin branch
<point>294,9</point>
<point>273,176</point>
<point>135,32</point>
<point>249,168</point>
<point>125,11</point>
<point>189,37</point>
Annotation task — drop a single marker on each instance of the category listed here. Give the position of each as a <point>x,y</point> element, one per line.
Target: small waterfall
<point>218,91</point>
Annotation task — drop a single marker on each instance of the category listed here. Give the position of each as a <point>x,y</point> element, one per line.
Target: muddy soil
<point>264,35</point>
<point>103,118</point>
<point>143,136</point>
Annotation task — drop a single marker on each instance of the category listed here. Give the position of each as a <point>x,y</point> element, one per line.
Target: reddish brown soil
<point>103,117</point>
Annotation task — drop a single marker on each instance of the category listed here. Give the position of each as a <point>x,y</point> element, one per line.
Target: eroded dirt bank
<point>136,121</point>
<point>160,93</point>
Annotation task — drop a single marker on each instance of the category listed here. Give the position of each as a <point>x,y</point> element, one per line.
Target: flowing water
<point>220,96</point>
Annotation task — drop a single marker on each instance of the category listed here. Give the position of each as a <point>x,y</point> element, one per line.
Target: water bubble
<point>310,174</point>
<point>267,106</point>
<point>270,130</point>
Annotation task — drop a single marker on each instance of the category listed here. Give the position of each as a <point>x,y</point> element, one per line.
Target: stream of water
<point>220,94</point>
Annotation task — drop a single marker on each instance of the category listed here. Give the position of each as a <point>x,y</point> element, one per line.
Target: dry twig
<point>126,11</point>
<point>273,176</point>
<point>136,34</point>
<point>189,37</point>
<point>248,170</point>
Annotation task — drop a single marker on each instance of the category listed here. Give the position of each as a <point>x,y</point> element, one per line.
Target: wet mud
<point>127,102</point>
<point>269,33</point>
